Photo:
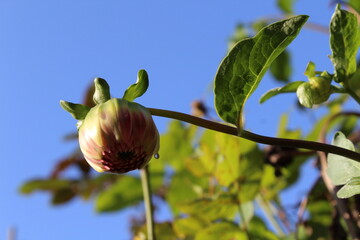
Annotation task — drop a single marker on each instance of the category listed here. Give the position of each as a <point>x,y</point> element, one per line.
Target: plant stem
<point>283,142</point>
<point>353,95</point>
<point>145,181</point>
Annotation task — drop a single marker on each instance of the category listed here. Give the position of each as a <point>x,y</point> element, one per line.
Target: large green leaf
<point>281,67</point>
<point>242,69</point>
<point>344,43</point>
<point>341,169</point>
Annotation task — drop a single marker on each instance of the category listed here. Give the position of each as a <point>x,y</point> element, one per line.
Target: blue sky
<point>51,50</point>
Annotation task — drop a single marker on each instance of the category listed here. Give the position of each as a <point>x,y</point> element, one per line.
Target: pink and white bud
<point>118,136</point>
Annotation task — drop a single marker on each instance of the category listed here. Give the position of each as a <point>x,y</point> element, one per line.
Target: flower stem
<point>353,95</point>
<point>145,181</point>
<point>283,142</point>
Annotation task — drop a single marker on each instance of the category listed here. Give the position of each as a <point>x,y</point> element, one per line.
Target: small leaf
<point>184,187</point>
<point>44,185</point>
<point>281,68</point>
<point>102,91</point>
<point>222,230</point>
<point>139,88</point>
<point>341,169</point>
<point>258,230</point>
<point>247,213</point>
<point>310,70</point>
<point>211,209</point>
<point>288,88</point>
<point>189,226</point>
<point>62,196</point>
<point>123,193</point>
<point>344,43</point>
<point>351,188</point>
<point>78,111</point>
<point>241,70</point>
<point>286,6</point>
<point>240,33</point>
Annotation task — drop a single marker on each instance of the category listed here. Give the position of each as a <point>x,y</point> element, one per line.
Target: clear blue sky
<point>51,50</point>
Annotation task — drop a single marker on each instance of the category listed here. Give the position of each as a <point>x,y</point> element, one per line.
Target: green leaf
<point>189,226</point>
<point>281,68</point>
<point>102,91</point>
<point>242,69</point>
<point>176,144</point>
<point>341,169</point>
<point>286,5</point>
<point>258,230</point>
<point>139,88</point>
<point>240,33</point>
<point>78,111</point>
<point>211,209</point>
<point>62,196</point>
<point>344,43</point>
<point>320,210</point>
<point>184,187</point>
<point>163,231</point>
<point>288,88</point>
<point>247,213</point>
<point>355,4</point>
<point>283,130</point>
<point>125,192</point>
<point>351,188</point>
<point>223,231</point>
<point>44,185</point>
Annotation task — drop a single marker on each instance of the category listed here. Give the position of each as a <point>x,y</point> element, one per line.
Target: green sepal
<point>305,95</point>
<point>310,70</point>
<point>288,88</point>
<point>102,91</point>
<point>139,88</point>
<point>78,111</point>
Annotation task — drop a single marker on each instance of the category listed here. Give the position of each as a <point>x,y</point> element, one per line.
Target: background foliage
<point>219,186</point>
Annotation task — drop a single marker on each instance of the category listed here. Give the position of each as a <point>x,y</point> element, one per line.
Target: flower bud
<point>118,136</point>
<point>316,91</point>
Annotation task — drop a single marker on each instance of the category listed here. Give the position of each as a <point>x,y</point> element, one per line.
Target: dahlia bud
<point>118,136</point>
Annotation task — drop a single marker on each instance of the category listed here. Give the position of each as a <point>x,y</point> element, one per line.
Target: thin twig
<point>145,181</point>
